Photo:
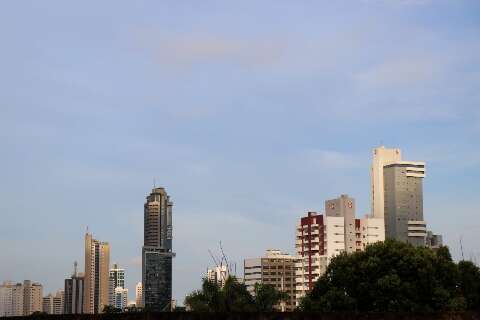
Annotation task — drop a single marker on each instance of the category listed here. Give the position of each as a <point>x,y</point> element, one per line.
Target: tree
<point>389,276</point>
<point>266,297</point>
<point>233,297</point>
<point>469,283</point>
<point>111,309</point>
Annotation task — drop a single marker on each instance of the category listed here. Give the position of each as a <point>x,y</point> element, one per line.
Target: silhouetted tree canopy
<point>394,276</point>
<point>233,297</point>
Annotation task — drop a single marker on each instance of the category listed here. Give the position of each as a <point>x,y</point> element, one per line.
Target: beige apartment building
<point>96,283</point>
<point>32,297</point>
<point>11,299</point>
<point>54,304</point>
<point>275,268</point>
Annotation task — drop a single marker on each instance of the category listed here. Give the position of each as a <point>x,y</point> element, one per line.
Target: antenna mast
<point>461,248</point>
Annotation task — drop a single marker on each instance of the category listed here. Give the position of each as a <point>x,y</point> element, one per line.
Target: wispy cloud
<point>186,50</point>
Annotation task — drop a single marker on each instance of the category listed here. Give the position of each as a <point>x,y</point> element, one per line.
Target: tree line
<point>388,276</point>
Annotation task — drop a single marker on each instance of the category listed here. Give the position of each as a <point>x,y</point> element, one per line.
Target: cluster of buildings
<point>397,213</point>
<point>102,285</point>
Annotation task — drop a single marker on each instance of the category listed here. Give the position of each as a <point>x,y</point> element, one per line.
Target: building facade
<point>320,237</point>
<point>139,295</point>
<point>120,299</point>
<point>116,280</point>
<point>11,299</point>
<point>97,263</point>
<point>344,207</point>
<point>54,304</point>
<point>74,293</point>
<point>32,297</point>
<point>381,157</point>
<point>157,251</point>
<point>274,268</point>
<point>218,274</point>
<point>403,184</point>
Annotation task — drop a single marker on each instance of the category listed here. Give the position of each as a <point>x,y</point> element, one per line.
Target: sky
<point>250,113</point>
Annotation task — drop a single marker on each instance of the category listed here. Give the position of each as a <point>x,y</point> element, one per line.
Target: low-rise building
<point>274,268</point>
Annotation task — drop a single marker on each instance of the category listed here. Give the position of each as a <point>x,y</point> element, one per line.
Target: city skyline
<point>249,114</point>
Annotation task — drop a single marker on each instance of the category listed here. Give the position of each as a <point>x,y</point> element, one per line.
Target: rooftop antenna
<point>154,184</point>
<point>461,248</point>
<point>87,230</point>
<point>75,268</point>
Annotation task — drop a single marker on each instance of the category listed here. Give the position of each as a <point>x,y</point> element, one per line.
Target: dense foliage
<point>394,276</point>
<point>233,297</point>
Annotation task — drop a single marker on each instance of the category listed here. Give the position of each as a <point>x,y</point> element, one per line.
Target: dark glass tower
<point>157,251</point>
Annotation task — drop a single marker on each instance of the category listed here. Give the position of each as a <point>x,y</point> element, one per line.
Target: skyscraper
<point>157,251</point>
<point>381,157</point>
<point>403,181</point>
<point>116,280</point>
<point>74,293</point>
<point>97,262</point>
<point>397,197</point>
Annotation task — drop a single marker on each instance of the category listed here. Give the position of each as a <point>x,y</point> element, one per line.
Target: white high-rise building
<point>218,274</point>
<point>11,299</point>
<point>381,157</point>
<point>120,300</point>
<point>116,280</point>
<point>53,304</point>
<point>139,295</point>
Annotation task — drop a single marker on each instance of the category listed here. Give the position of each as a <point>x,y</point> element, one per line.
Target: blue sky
<point>249,112</point>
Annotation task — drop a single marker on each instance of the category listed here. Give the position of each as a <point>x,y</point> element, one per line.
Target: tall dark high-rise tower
<point>157,251</point>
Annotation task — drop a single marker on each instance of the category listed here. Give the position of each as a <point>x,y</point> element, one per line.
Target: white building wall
<point>139,295</point>
<point>372,230</point>
<point>334,236</point>
<point>381,157</point>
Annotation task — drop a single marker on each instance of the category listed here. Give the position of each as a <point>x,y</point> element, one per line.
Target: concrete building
<point>97,263</point>
<point>74,293</point>
<point>120,299</point>
<point>381,157</point>
<point>320,237</point>
<point>54,304</point>
<point>403,185</point>
<point>32,297</point>
<point>218,274</point>
<point>397,196</point>
<point>116,280</point>
<point>344,206</point>
<point>11,299</point>
<point>274,268</point>
<point>139,295</point>
<point>157,251</point>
